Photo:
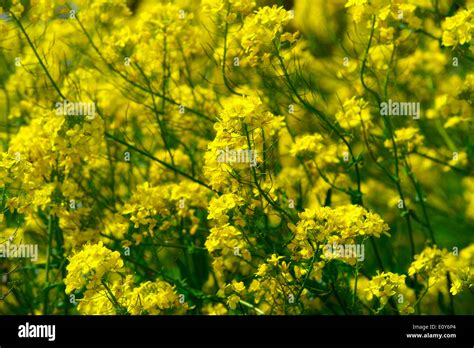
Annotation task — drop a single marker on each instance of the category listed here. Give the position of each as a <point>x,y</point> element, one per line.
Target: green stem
<point>48,257</point>
<point>37,56</point>
<point>165,164</point>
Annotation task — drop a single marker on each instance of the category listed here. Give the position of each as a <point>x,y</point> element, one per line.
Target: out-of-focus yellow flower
<point>407,139</point>
<point>355,111</point>
<point>459,29</point>
<point>435,264</point>
<point>233,301</point>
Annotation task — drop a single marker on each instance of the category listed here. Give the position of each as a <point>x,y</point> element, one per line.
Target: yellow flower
<point>299,272</point>
<point>379,56</point>
<point>234,6</point>
<point>407,139</point>
<point>232,301</point>
<point>326,225</point>
<point>217,309</point>
<point>260,30</point>
<point>254,286</point>
<point>17,8</point>
<point>239,118</point>
<point>220,206</point>
<point>41,9</point>
<point>435,264</point>
<point>459,29</point>
<point>238,286</point>
<point>227,240</point>
<point>384,285</point>
<point>429,261</point>
<point>307,145</point>
<point>153,298</point>
<point>356,110</point>
<point>262,270</point>
<point>89,266</point>
<point>274,259</point>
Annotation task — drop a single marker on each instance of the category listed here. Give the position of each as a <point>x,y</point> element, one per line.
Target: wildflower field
<point>236,157</point>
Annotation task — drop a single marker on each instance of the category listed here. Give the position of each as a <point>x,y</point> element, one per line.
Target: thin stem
<point>37,56</point>
<point>165,164</point>
<point>48,258</point>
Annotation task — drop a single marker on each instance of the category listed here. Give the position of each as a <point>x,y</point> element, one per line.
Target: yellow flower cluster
<point>459,29</point>
<point>41,10</point>
<point>230,251</point>
<point>272,287</point>
<point>387,13</point>
<point>231,7</point>
<point>156,297</point>
<point>220,207</point>
<point>407,139</point>
<point>122,297</point>
<point>307,145</point>
<point>434,264</point>
<point>16,8</point>
<point>227,240</point>
<point>89,266</point>
<point>384,285</point>
<point>108,301</point>
<point>233,144</point>
<point>355,111</point>
<point>147,203</point>
<point>108,291</point>
<point>243,126</point>
<point>260,32</point>
<point>326,225</point>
